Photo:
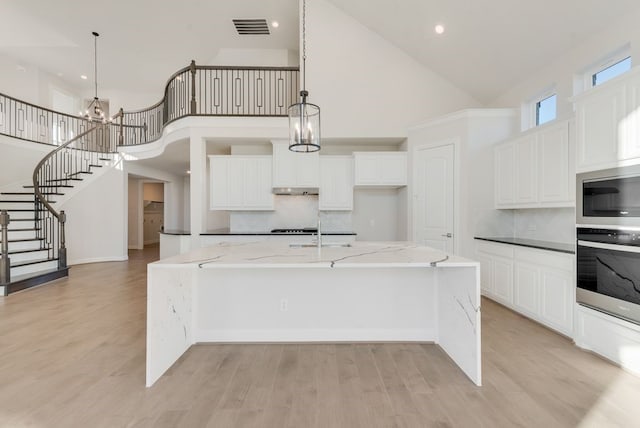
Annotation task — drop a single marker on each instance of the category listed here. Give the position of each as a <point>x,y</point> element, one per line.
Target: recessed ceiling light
<point>83,77</point>
<point>275,24</point>
<point>439,29</point>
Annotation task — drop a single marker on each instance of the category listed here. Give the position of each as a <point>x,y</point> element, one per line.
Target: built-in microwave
<point>609,197</point>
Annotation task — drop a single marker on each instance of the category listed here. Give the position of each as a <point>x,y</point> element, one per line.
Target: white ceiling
<point>488,46</point>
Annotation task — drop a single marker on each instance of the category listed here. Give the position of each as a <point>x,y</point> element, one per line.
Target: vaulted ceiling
<point>488,45</point>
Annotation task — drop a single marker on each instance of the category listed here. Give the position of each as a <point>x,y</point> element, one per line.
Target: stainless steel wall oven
<point>608,271</point>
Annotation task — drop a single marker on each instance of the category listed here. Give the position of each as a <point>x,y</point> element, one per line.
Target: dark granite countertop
<point>533,243</point>
<point>175,232</point>
<point>228,232</point>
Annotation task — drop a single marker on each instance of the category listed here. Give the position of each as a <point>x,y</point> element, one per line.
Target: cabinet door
<point>257,183</point>
<point>235,182</point>
<point>503,280</point>
<point>598,118</point>
<point>486,274</point>
<point>526,170</point>
<point>504,174</point>
<point>366,169</point>
<point>557,299</point>
<point>336,183</point>
<point>554,179</point>
<point>393,168</point>
<point>526,289</point>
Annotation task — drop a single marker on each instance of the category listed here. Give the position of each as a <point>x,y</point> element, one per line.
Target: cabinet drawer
<point>496,249</point>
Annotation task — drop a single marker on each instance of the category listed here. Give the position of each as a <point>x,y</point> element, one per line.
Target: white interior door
<point>433,196</point>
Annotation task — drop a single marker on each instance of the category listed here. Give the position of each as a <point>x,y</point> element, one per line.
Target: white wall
<point>255,57</point>
<point>561,71</point>
<point>473,134</point>
<point>364,85</point>
<point>97,220</point>
<point>18,159</point>
<point>27,82</point>
<point>135,214</point>
<point>376,214</point>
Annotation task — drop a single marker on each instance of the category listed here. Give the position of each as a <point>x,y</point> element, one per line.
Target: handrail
<point>195,90</point>
<point>57,170</point>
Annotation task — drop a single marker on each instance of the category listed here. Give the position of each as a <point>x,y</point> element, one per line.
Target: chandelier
<point>304,117</point>
<point>94,111</point>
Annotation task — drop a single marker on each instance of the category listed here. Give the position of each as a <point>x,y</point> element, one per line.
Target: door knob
<point>447,235</point>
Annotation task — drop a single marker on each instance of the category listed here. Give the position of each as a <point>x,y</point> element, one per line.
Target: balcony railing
<point>215,91</point>
<point>192,91</point>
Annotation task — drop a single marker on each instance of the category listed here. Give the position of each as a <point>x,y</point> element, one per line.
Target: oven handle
<point>614,247</point>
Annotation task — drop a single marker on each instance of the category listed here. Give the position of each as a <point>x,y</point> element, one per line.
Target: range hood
<point>295,191</point>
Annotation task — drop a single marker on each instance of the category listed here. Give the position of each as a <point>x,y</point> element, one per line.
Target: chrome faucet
<point>319,233</point>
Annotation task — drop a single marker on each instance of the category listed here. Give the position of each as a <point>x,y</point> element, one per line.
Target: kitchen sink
<point>327,245</point>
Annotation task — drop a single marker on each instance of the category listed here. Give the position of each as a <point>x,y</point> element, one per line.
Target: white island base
<point>268,292</point>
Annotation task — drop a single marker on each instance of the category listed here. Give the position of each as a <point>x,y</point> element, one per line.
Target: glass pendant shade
<point>304,126</point>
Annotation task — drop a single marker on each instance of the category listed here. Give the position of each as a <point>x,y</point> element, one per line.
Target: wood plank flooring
<point>72,354</point>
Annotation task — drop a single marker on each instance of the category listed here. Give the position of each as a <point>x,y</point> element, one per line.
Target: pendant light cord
<point>95,62</point>
<point>304,43</point>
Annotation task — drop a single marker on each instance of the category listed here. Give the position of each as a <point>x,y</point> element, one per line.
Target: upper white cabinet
<point>535,169</point>
<point>240,183</point>
<point>608,124</point>
<point>336,183</point>
<point>380,168</point>
<point>292,169</point>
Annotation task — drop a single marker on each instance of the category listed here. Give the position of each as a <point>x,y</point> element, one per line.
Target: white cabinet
<point>294,169</point>
<point>496,273</point>
<point>535,170</point>
<point>240,183</point>
<point>535,283</point>
<point>608,124</point>
<point>336,183</point>
<point>556,165</point>
<point>380,168</point>
<point>526,173</point>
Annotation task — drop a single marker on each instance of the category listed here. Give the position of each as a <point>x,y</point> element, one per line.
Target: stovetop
<point>292,230</point>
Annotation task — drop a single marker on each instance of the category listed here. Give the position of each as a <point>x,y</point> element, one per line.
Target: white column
<point>198,187</point>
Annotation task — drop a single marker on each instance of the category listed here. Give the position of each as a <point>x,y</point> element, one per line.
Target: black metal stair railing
<point>194,90</point>
<point>58,171</point>
<point>219,91</point>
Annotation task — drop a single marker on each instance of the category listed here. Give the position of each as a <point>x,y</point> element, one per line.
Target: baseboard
<point>135,247</point>
<point>98,260</point>
<point>316,335</point>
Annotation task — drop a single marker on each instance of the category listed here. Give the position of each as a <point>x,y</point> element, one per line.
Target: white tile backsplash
<point>290,212</point>
<point>546,224</point>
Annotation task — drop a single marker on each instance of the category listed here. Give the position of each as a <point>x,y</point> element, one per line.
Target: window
<point>611,71</point>
<point>546,109</point>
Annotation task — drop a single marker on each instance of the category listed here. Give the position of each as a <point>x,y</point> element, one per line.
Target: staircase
<point>33,231</point>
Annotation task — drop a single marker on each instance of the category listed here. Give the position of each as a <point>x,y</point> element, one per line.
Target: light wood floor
<point>72,354</point>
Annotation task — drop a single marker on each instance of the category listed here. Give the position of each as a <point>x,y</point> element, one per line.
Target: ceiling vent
<point>251,26</point>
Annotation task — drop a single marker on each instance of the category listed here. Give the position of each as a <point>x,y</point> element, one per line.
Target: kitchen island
<point>273,292</point>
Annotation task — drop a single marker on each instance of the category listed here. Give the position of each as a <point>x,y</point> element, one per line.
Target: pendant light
<point>94,111</point>
<point>304,117</point>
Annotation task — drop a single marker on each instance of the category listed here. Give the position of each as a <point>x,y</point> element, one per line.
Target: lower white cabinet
<point>536,283</point>
<point>240,183</point>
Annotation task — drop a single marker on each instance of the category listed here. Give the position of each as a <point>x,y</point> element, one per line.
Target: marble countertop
<point>228,232</point>
<point>533,243</point>
<point>281,255</point>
